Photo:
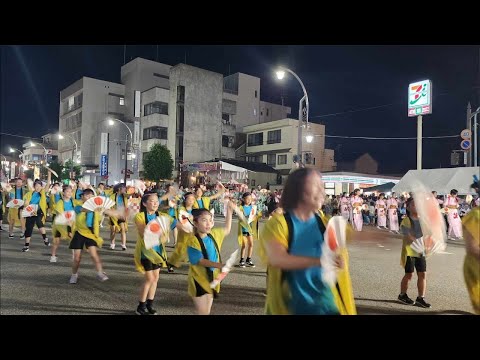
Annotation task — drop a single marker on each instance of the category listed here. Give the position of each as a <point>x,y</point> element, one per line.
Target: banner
<point>103,165</point>
<point>104,143</point>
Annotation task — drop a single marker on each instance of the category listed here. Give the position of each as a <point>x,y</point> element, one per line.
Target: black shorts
<point>199,289</point>
<point>31,221</point>
<point>118,222</point>
<point>420,264</point>
<point>246,233</point>
<point>57,233</point>
<point>79,242</point>
<point>148,265</point>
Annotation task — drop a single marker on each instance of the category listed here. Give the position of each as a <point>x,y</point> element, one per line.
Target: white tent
<point>440,180</point>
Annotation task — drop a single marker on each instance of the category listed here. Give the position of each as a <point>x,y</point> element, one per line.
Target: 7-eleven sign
<point>420,98</point>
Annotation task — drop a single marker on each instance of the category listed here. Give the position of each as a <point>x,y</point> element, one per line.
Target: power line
<point>387,138</point>
<point>353,111</point>
<point>26,137</point>
<point>374,107</point>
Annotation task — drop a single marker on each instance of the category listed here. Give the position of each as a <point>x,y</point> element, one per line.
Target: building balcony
<point>154,120</point>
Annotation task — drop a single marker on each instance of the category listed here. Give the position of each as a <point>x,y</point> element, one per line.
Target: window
<point>155,132</point>
<point>255,139</point>
<point>180,117</point>
<point>267,112</point>
<point>179,147</point>
<point>72,103</point>
<point>254,112</point>
<point>274,137</point>
<point>227,141</point>
<point>122,101</point>
<point>261,113</point>
<point>308,158</point>
<point>252,182</point>
<point>255,94</point>
<point>180,93</point>
<point>73,122</point>
<point>253,159</point>
<point>271,160</point>
<point>226,119</point>
<point>282,159</point>
<point>161,76</point>
<point>156,107</point>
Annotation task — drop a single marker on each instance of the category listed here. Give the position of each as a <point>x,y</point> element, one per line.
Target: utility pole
<point>126,159</point>
<point>469,116</point>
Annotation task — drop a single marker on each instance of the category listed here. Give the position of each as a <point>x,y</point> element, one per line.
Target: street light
<point>112,122</point>
<point>32,144</point>
<point>280,75</point>
<point>61,137</point>
<point>12,150</point>
<point>5,165</point>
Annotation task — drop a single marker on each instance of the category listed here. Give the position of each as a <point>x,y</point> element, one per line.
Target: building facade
<point>275,143</point>
<point>196,113</point>
<point>85,108</point>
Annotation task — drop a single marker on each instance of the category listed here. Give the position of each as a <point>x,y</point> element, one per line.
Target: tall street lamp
<point>32,144</point>
<point>301,112</point>
<point>112,122</point>
<point>12,150</point>
<point>61,137</point>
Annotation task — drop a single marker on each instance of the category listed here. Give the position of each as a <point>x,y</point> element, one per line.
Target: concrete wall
<point>147,97</point>
<point>138,75</point>
<point>203,111</point>
<point>272,112</point>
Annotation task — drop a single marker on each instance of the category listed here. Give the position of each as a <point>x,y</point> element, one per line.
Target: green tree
<point>158,163</point>
<point>66,171</point>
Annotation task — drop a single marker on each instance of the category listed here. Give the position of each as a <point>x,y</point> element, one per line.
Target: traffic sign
<point>466,144</point>
<point>466,134</point>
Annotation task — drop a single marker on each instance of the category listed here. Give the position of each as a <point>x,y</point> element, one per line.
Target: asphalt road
<point>30,284</point>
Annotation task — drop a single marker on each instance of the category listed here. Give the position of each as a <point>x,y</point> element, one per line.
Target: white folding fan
<point>15,203</point>
<point>30,210</point>
<point>334,241</point>
<point>98,202</point>
<point>65,218</point>
<point>226,269</point>
<point>186,221</point>
<point>153,232</point>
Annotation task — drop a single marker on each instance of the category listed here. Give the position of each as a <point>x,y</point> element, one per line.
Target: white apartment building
<point>85,108</point>
<point>276,142</point>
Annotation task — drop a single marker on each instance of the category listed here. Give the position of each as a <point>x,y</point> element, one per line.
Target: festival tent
<point>440,180</point>
<point>387,187</point>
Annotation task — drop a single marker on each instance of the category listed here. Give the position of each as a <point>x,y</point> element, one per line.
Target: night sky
<point>339,80</point>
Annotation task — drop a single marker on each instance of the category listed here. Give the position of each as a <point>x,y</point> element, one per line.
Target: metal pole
<point>71,166</point>
<point>300,124</point>
<point>475,150</point>
<point>469,127</point>
<point>419,142</point>
<point>126,150</point>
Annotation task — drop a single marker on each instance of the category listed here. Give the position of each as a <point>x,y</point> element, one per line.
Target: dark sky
<point>339,79</point>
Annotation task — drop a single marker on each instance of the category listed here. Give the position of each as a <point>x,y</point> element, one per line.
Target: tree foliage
<point>158,163</point>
